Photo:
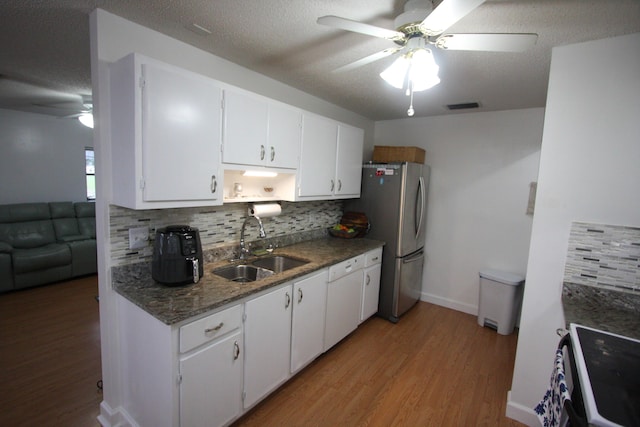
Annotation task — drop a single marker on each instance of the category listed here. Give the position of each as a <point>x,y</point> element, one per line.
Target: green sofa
<point>46,242</point>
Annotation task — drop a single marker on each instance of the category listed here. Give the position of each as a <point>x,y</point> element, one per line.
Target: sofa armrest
<point>6,271</point>
<point>5,248</point>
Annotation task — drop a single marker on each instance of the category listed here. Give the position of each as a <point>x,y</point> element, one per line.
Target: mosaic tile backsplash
<point>605,256</point>
<point>220,226</point>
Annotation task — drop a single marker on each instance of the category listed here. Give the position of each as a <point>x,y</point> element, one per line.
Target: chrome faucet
<point>244,251</point>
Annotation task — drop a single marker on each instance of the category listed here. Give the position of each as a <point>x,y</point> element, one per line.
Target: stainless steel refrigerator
<point>394,198</point>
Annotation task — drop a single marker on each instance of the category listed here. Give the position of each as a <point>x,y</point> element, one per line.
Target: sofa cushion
<point>22,212</point>
<point>43,257</point>
<point>31,234</point>
<point>86,214</point>
<point>62,210</point>
<point>65,227</point>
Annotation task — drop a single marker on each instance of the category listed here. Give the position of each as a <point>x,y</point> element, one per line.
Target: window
<point>90,172</point>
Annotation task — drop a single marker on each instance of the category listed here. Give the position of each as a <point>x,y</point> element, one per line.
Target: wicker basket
<point>387,154</point>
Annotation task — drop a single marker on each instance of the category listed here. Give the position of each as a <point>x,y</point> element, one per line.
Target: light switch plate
<point>138,237</point>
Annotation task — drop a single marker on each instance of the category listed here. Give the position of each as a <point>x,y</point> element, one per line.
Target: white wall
<point>481,168</point>
<point>42,158</point>
<point>589,171</point>
<point>112,38</point>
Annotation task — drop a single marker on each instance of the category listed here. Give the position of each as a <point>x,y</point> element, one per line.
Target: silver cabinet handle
<point>214,329</point>
<point>273,153</point>
<point>288,303</point>
<point>236,350</point>
<point>368,279</point>
<point>332,185</point>
<point>339,184</point>
<point>261,152</point>
<point>300,295</point>
<point>214,184</point>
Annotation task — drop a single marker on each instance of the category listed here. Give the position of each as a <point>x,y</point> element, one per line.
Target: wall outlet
<point>138,237</point>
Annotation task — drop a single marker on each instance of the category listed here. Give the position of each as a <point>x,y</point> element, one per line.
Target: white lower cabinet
<point>211,375</point>
<point>211,383</point>
<point>344,294</point>
<point>371,284</point>
<point>267,334</point>
<point>308,318</point>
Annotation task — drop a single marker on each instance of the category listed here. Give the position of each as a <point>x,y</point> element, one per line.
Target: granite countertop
<point>175,304</point>
<point>611,310</point>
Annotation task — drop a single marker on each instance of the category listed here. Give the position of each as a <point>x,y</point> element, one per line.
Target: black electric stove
<point>608,366</point>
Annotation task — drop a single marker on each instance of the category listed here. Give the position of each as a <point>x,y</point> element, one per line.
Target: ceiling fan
<point>420,26</point>
<point>81,109</point>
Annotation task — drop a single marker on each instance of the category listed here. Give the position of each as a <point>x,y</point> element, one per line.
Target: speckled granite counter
<point>606,309</point>
<point>175,304</point>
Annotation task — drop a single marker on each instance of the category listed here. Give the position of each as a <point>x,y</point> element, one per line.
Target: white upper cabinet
<point>245,128</point>
<point>285,136</point>
<point>166,136</point>
<point>316,173</point>
<point>330,159</point>
<point>349,161</point>
<point>260,132</point>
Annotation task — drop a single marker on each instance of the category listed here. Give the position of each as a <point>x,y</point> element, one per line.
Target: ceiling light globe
<point>86,119</point>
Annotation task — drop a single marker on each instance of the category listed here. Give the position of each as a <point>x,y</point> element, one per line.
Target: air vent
<point>463,106</point>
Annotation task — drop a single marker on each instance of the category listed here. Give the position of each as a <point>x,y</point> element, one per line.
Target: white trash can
<point>500,300</point>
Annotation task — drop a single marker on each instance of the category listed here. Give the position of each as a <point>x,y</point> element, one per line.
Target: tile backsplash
<point>218,225</point>
<point>605,256</point>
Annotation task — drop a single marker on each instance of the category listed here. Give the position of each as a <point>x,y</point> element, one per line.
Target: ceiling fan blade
<point>367,60</point>
<point>446,14</point>
<point>487,42</point>
<point>359,27</point>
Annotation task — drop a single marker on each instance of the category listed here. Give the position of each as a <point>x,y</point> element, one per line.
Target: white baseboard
<point>521,413</point>
<point>449,303</point>
<point>114,418</point>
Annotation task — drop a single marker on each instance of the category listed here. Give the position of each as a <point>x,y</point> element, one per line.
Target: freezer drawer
<point>408,282</point>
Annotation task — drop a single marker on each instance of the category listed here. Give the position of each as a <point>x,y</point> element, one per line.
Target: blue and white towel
<point>549,410</point>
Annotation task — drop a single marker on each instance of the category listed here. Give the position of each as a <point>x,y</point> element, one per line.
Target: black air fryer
<point>177,255</point>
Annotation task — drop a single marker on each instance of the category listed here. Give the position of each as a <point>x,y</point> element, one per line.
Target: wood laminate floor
<point>50,355</point>
<point>436,367</point>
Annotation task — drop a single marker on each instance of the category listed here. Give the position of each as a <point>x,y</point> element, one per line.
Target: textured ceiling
<point>44,45</point>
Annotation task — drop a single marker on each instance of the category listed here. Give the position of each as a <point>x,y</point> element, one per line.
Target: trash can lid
<point>502,277</point>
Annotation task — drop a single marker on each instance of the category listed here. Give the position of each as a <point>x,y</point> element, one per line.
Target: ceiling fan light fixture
<point>396,73</point>
<point>86,119</point>
<point>423,73</point>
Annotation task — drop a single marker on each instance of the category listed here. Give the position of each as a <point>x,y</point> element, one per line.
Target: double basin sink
<point>259,269</point>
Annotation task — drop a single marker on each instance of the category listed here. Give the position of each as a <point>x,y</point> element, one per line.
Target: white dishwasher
<point>344,294</point>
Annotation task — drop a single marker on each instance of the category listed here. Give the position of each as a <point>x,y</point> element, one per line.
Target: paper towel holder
<point>264,210</point>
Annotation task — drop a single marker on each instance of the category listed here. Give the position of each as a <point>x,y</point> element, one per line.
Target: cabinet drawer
<point>209,328</point>
<point>345,267</point>
<point>373,257</point>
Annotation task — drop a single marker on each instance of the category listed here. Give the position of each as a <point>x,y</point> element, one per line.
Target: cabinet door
<point>245,129</point>
<point>316,173</point>
<point>343,308</point>
<point>181,116</point>
<point>285,135</point>
<point>211,386</point>
<point>267,332</point>
<point>349,161</point>
<point>309,306</point>
<point>370,292</point>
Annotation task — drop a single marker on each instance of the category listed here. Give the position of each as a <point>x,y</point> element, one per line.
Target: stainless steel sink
<point>243,273</point>
<point>279,263</point>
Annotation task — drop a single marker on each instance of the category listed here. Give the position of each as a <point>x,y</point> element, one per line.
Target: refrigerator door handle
<point>420,205</point>
<point>413,258</point>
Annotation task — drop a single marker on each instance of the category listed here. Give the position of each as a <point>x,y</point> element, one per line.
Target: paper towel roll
<point>265,210</point>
